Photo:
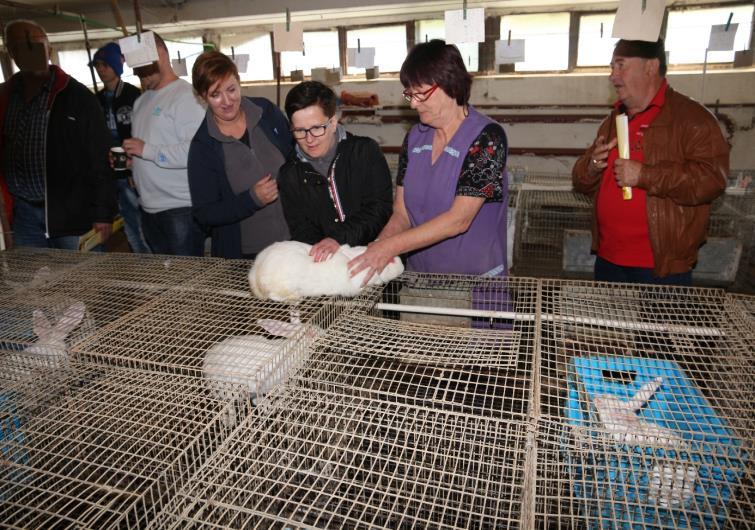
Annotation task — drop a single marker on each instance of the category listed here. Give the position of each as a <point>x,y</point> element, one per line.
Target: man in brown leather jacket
<point>678,164</point>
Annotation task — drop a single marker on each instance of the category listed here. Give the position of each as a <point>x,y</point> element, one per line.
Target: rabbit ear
<point>42,326</point>
<point>40,277</point>
<point>71,318</point>
<point>279,328</point>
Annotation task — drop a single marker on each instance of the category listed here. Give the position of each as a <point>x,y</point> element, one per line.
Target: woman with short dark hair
<point>234,160</point>
<point>449,213</point>
<point>336,187</point>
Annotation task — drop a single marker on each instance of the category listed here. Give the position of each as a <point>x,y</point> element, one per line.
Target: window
<point>258,47</point>
<point>320,50</point>
<point>546,40</point>
<point>436,29</point>
<point>688,32</point>
<point>389,43</point>
<point>595,48</point>
<point>76,64</point>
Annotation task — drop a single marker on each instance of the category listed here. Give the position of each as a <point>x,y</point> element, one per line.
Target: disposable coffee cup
<point>120,159</point>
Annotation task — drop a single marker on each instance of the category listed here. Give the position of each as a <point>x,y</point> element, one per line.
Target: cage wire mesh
<point>26,268</point>
<point>216,329</point>
<point>328,460</point>
<point>93,447</point>
<point>733,217</point>
<point>647,408</point>
<point>542,217</point>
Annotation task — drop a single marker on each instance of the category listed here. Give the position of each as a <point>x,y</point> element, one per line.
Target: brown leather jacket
<point>685,168</point>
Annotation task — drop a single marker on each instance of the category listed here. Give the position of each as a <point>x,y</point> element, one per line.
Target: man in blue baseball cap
<point>117,99</point>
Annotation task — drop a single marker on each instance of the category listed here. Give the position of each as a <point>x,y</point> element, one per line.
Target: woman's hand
<point>377,256</point>
<point>323,250</point>
<point>266,189</point>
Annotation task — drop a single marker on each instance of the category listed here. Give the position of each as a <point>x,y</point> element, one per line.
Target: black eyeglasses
<point>420,97</point>
<point>316,131</point>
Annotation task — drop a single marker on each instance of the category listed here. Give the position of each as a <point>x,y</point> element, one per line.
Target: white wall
<point>588,95</point>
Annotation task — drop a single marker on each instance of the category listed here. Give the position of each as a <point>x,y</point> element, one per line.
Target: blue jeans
<point>128,204</point>
<point>174,232</point>
<point>605,271</point>
<point>29,228</point>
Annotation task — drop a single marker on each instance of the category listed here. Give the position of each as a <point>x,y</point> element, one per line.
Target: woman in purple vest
<point>449,213</point>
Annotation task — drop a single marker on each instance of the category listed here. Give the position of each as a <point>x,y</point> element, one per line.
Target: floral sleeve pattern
<point>403,161</point>
<point>482,170</point>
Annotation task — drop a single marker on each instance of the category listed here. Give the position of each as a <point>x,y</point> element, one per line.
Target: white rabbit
<point>285,271</point>
<point>50,349</point>
<point>671,483</point>
<point>249,360</point>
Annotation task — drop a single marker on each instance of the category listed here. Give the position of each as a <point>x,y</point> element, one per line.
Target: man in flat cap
<point>678,164</point>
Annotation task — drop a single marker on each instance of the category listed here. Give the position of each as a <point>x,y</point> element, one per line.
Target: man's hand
<point>598,163</point>
<point>627,172</point>
<point>266,189</point>
<point>133,146</point>
<point>323,250</point>
<point>105,229</point>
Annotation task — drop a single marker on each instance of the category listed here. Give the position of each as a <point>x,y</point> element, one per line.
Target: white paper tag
<point>632,23</point>
<point>361,57</point>
<point>722,40</point>
<point>291,40</point>
<point>509,54</point>
<point>139,50</point>
<point>179,67</point>
<point>242,62</point>
<point>470,29</point>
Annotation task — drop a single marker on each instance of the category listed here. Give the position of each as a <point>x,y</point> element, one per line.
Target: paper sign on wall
<point>242,62</point>
<point>361,57</point>
<point>721,39</point>
<point>291,40</point>
<point>139,50</point>
<point>471,29</point>
<point>634,23</point>
<point>509,53</point>
<point>179,67</point>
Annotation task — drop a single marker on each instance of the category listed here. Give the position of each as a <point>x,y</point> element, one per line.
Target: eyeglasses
<point>316,131</point>
<point>420,97</point>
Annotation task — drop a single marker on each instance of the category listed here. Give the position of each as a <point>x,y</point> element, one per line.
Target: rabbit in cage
<point>671,483</point>
<point>285,271</point>
<point>241,359</point>
<point>50,349</point>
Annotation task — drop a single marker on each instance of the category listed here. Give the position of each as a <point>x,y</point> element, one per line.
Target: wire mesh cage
<point>87,447</point>
<point>22,269</point>
<point>214,327</point>
<point>324,460</point>
<point>542,217</point>
<point>733,218</point>
<point>646,399</point>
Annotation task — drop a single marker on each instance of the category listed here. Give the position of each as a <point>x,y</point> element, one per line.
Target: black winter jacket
<point>123,107</point>
<point>79,186</point>
<point>364,188</point>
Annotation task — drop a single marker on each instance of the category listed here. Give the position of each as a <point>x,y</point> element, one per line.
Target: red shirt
<point>623,225</point>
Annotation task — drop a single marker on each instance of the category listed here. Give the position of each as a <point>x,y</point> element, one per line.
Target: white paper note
<point>471,29</point>
<point>720,39</point>
<point>361,57</point>
<point>509,54</point>
<point>632,23</point>
<point>139,51</point>
<point>288,41</point>
<point>242,62</point>
<point>179,67</point>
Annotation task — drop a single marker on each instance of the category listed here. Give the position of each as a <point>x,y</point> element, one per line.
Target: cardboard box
<point>372,73</point>
<point>320,74</point>
<point>297,75</point>
<point>333,75</point>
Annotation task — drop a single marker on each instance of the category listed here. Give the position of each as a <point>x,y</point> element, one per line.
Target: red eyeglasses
<point>420,97</point>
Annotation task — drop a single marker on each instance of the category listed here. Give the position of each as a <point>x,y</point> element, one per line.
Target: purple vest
<point>429,190</point>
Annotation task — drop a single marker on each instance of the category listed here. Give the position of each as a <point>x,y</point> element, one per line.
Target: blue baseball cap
<point>110,54</point>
